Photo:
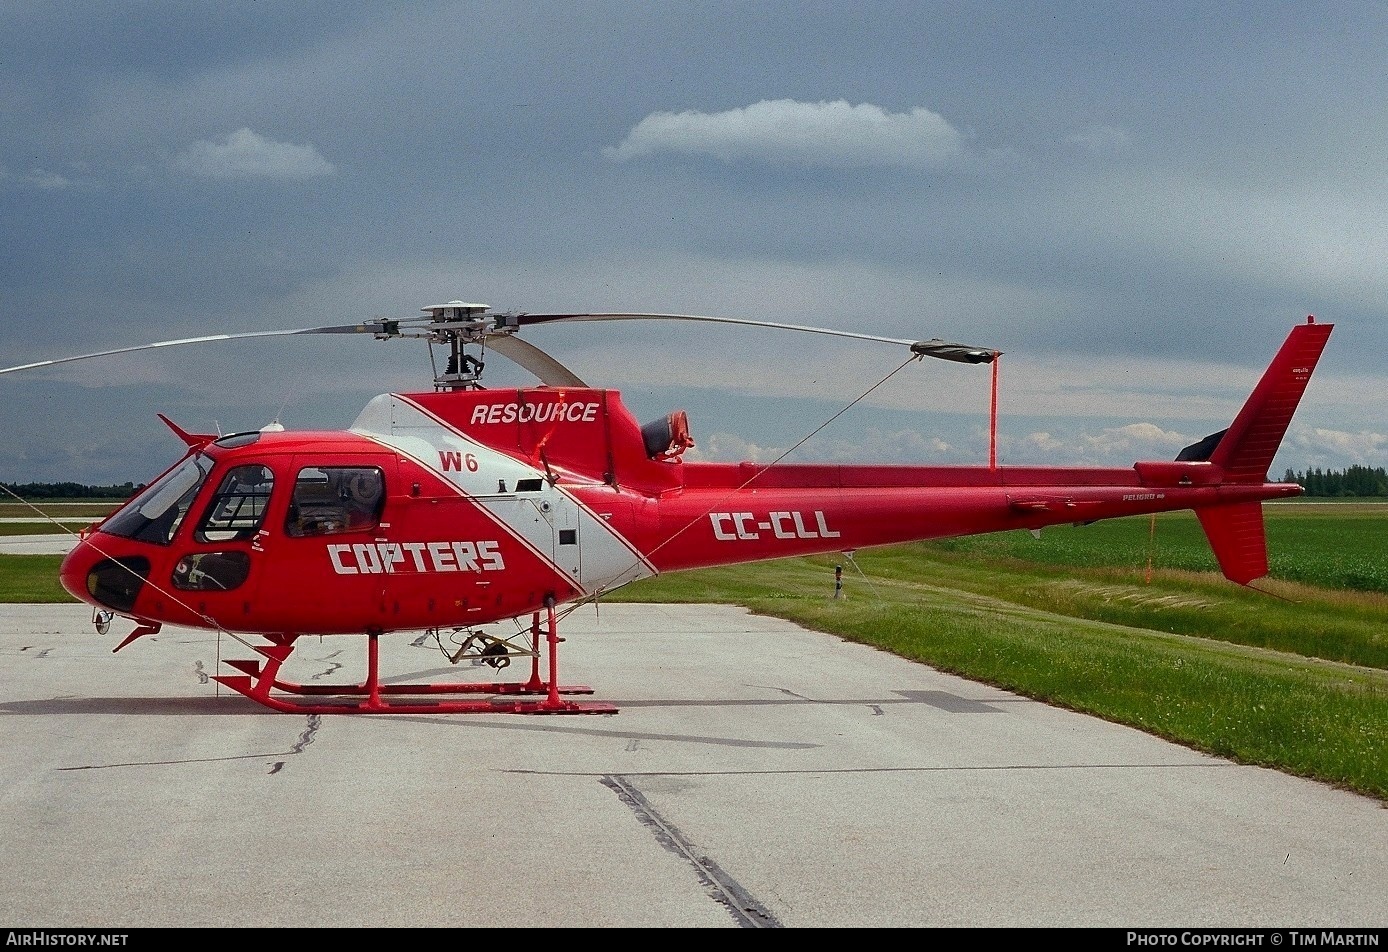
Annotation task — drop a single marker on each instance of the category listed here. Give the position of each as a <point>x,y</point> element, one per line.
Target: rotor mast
<point>457,324</point>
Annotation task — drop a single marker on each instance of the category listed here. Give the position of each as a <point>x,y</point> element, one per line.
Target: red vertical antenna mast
<point>993,418</point>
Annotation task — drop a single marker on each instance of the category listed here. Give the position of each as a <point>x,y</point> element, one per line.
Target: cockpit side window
<point>332,499</point>
<point>237,509</point>
<point>156,513</point>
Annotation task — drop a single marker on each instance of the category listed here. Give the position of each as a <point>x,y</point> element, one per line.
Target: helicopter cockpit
<point>156,513</point>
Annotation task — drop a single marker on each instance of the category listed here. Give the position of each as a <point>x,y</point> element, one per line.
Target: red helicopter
<point>462,506</point>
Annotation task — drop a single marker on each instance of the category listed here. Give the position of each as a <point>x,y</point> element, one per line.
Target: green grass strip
<point>31,579</point>
<point>1323,721</point>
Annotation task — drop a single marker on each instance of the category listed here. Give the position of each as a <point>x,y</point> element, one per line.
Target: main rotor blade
<point>964,353</point>
<point>367,328</point>
<point>529,357</point>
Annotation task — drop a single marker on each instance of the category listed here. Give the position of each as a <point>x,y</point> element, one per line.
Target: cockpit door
<point>327,551</point>
<point>214,572</point>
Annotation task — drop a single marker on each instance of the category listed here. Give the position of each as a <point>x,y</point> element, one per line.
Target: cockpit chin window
<point>156,513</point>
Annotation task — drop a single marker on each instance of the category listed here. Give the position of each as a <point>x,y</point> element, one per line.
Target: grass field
<point>61,527</point>
<point>58,509</point>
<point>51,518</point>
<point>1330,545</point>
<point>1124,620</point>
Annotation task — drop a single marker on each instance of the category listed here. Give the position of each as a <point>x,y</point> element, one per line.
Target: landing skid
<point>260,682</point>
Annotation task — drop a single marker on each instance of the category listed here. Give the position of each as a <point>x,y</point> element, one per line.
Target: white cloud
<point>1108,446</point>
<point>1138,440</point>
<point>39,178</point>
<point>1099,139</point>
<point>729,447</point>
<point>829,134</point>
<point>244,154</point>
<point>874,444</point>
<point>1326,447</point>
<point>1043,442</point>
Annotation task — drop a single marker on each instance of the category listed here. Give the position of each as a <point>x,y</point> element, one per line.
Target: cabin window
<point>157,512</point>
<point>332,499</point>
<point>238,507</point>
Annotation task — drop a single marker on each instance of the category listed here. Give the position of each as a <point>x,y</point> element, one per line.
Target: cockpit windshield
<point>155,514</point>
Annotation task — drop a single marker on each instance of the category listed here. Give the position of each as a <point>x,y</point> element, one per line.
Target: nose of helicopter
<point>91,576</point>
<point>72,575</point>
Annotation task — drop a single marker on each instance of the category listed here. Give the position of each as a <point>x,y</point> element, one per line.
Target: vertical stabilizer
<point>1246,449</point>
<point>1243,453</point>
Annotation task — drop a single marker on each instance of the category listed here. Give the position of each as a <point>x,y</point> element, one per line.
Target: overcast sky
<point>1133,202</point>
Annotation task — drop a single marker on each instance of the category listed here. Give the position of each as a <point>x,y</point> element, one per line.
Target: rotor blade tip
<point>961,353</point>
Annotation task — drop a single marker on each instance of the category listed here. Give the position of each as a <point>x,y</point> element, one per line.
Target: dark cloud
<point>1166,189</point>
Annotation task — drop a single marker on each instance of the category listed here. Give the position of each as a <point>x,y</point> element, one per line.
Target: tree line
<point>69,491</point>
<point>1355,481</point>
